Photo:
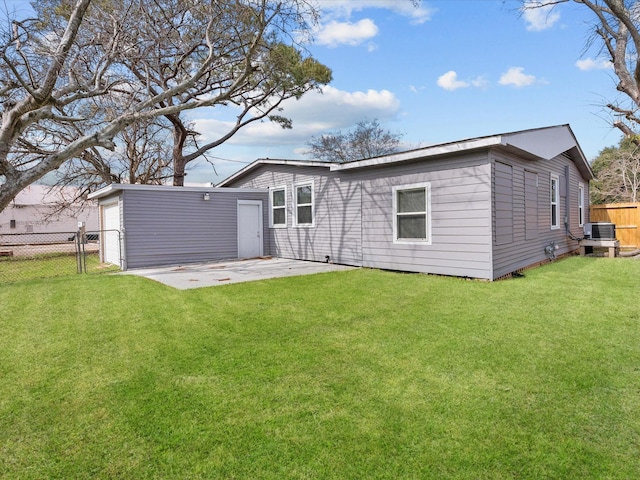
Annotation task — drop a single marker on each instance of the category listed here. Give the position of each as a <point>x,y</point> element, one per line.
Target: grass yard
<point>361,374</point>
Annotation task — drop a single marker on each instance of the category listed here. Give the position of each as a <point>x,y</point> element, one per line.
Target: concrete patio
<point>222,273</point>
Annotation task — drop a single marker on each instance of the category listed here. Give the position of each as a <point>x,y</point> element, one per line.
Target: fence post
<point>81,261</point>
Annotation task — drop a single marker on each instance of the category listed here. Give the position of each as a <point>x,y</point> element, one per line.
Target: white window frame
<point>413,186</point>
<point>295,204</point>
<point>581,204</point>
<point>555,202</point>
<point>272,207</point>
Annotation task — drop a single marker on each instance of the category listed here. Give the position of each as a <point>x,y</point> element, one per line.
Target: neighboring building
<point>482,208</point>
<point>33,211</point>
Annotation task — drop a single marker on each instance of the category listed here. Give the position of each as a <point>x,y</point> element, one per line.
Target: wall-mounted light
<point>206,196</point>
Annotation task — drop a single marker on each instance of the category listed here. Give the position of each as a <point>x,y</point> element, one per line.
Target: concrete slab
<point>212,274</point>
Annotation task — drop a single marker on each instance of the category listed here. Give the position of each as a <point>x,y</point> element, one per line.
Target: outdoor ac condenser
<point>600,231</point>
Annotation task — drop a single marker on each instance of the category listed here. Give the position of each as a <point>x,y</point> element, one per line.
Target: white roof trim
<point>542,143</point>
<point>421,153</point>
<point>117,187</point>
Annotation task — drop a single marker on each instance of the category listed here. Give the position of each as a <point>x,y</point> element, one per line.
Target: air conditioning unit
<point>600,231</point>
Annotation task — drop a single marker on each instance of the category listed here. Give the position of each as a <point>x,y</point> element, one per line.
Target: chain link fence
<point>24,256</point>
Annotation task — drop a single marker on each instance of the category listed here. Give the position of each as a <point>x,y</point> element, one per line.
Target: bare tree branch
<point>151,58</point>
<point>616,25</point>
<point>366,140</point>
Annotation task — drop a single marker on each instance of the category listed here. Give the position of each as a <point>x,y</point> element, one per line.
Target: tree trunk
<point>179,161</point>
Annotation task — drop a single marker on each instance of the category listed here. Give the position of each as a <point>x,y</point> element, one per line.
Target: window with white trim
<point>555,201</point>
<point>581,204</point>
<point>278,207</point>
<point>303,204</point>
<point>411,213</point>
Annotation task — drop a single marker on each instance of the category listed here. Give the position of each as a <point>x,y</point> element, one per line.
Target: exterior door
<point>111,233</point>
<point>250,242</point>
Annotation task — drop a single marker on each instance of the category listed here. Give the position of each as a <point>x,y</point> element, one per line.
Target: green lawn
<point>361,374</point>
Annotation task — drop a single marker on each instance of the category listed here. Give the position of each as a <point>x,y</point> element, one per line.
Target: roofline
<point>117,187</point>
<point>583,157</point>
<point>431,151</point>
<point>499,141</point>
<point>269,161</point>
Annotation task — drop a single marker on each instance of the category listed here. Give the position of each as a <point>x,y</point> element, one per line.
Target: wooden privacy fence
<point>626,217</point>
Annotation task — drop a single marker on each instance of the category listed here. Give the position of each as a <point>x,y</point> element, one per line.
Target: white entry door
<point>111,233</point>
<point>249,228</point>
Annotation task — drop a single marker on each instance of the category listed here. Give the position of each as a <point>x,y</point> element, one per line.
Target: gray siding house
<point>152,225</point>
<point>482,208</point>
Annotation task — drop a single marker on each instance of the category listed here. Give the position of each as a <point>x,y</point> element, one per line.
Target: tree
<point>367,139</point>
<point>143,157</point>
<point>617,174</point>
<point>62,72</point>
<point>616,27</point>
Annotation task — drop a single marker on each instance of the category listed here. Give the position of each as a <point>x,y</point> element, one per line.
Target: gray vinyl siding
<point>503,211</point>
<point>179,227</point>
<point>354,215</point>
<point>460,218</point>
<point>336,231</point>
<point>527,247</point>
<point>485,220</point>
<point>531,182</point>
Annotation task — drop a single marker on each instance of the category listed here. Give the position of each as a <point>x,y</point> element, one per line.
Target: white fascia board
<point>103,192</point>
<point>433,151</point>
<point>116,187</point>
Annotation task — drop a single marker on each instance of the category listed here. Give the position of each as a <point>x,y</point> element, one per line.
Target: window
<point>555,204</point>
<point>411,205</point>
<point>304,205</point>
<point>12,224</point>
<point>581,204</point>
<point>278,203</point>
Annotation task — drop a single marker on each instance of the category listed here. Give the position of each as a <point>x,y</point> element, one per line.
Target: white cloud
<point>539,15</point>
<point>591,64</point>
<point>344,8</point>
<point>449,81</point>
<point>313,114</point>
<point>516,77</point>
<point>335,33</point>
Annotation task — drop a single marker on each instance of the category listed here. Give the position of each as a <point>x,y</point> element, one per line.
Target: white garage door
<point>111,234</point>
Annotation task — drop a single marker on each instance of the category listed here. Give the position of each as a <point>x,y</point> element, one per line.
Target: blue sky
<point>445,71</point>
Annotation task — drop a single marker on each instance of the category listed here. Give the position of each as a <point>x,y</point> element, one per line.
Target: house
<point>483,207</point>
<point>154,225</point>
<point>35,211</point>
